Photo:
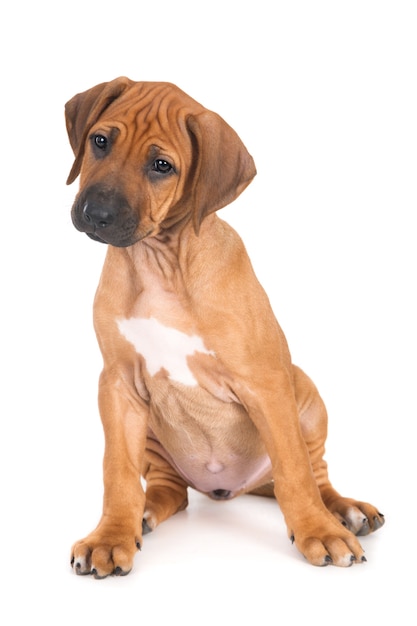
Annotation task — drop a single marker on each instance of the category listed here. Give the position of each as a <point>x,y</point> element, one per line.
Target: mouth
<point>95,237</point>
<point>119,243</point>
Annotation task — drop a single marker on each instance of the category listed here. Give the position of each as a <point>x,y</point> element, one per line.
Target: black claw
<point>72,562</point>
<point>96,576</point>
<point>378,522</point>
<point>292,538</point>
<point>145,527</point>
<point>364,559</point>
<point>352,558</point>
<point>344,523</point>
<point>365,528</point>
<point>120,572</point>
<point>139,547</point>
<point>328,560</point>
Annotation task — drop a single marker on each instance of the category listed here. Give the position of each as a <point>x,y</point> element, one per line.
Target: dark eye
<point>100,141</point>
<point>161,166</point>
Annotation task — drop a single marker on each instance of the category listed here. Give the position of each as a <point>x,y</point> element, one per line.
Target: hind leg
<point>166,491</point>
<point>359,517</point>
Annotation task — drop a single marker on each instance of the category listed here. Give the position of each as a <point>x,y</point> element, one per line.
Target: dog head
<point>148,157</point>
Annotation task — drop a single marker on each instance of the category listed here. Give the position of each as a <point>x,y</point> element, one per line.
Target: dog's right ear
<point>83,110</point>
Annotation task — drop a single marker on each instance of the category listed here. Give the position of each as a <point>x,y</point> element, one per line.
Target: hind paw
<point>360,518</point>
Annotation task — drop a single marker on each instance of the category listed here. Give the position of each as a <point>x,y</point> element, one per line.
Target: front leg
<point>111,547</point>
<point>318,535</point>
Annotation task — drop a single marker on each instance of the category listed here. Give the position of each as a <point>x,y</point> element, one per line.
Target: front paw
<point>324,541</point>
<point>105,551</point>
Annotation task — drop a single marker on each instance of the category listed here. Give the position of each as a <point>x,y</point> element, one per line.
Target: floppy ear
<point>83,110</point>
<point>223,167</point>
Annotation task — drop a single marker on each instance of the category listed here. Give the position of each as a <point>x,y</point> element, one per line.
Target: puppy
<point>198,388</point>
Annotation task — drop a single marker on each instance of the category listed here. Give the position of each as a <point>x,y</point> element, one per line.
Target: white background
<point>324,96</point>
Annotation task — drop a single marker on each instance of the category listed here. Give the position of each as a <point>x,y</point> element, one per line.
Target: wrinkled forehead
<point>151,107</point>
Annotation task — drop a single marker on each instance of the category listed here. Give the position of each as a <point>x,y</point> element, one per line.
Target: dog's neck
<point>173,254</point>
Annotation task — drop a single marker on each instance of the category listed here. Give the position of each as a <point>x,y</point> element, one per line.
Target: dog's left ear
<point>223,166</point>
<point>84,109</point>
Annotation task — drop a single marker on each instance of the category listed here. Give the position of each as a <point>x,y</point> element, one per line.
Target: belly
<point>196,422</point>
<point>213,445</point>
<point>224,477</point>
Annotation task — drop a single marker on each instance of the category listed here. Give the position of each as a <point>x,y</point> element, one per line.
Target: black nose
<point>98,215</point>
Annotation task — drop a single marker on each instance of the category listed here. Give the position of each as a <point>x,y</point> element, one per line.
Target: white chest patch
<point>163,347</point>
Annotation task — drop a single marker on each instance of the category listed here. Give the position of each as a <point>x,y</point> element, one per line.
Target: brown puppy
<point>198,388</point>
